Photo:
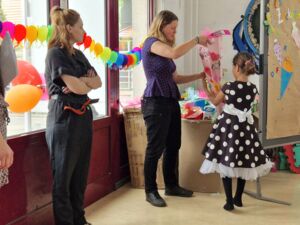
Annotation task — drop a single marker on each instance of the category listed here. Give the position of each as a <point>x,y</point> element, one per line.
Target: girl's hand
<point>204,84</point>
<point>66,90</point>
<point>209,93</point>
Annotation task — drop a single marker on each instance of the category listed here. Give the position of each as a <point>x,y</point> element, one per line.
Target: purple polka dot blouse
<point>159,73</point>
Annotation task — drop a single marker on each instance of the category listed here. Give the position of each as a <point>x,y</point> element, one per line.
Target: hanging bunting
<point>32,34</point>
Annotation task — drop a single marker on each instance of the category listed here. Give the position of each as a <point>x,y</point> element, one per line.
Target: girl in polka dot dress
<point>233,148</point>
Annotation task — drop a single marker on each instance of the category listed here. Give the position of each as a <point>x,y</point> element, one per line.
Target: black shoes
<point>178,191</point>
<point>154,199</point>
<point>238,202</point>
<point>228,206</point>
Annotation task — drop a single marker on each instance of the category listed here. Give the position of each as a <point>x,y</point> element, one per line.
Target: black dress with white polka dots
<point>233,148</point>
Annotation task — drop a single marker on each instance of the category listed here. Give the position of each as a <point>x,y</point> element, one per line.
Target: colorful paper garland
<point>32,33</point>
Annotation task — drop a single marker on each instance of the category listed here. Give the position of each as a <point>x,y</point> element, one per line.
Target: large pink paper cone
<point>211,59</point>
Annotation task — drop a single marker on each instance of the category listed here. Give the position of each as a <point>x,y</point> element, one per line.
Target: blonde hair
<point>162,19</point>
<point>60,18</point>
<point>245,62</point>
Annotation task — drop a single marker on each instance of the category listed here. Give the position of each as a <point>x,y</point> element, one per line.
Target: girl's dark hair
<point>245,62</point>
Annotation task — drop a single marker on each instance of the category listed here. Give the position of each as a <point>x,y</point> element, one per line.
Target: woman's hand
<point>66,90</point>
<point>202,75</point>
<point>6,156</point>
<point>204,40</point>
<point>91,73</point>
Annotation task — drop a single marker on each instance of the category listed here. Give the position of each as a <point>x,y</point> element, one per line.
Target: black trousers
<point>163,123</point>
<point>69,138</point>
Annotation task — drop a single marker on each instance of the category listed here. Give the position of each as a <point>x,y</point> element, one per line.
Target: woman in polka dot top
<point>233,148</point>
<point>160,106</point>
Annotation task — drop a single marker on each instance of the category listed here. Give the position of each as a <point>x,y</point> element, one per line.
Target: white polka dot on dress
<point>240,86</point>
<point>223,129</point>
<point>242,134</point>
<point>252,165</point>
<point>255,158</point>
<point>226,158</point>
<point>237,142</point>
<point>211,135</point>
<point>239,100</point>
<point>232,164</point>
<point>220,152</point>
<point>217,138</point>
<point>231,150</point>
<point>241,148</point>
<point>230,135</point>
<point>232,92</point>
<point>228,121</point>
<point>225,144</point>
<point>262,152</point>
<point>212,146</point>
<point>236,127</point>
<point>240,163</point>
<point>248,97</point>
<point>247,156</point>
<point>256,144</point>
<point>247,142</point>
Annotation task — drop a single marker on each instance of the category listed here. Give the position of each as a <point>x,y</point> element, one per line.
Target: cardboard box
<point>194,137</point>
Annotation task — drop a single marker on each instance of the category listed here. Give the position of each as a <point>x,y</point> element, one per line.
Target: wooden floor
<point>127,206</point>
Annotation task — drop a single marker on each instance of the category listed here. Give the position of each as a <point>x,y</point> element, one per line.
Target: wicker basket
<point>136,144</point>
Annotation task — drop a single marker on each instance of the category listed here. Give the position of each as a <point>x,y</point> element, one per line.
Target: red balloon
<point>130,60</point>
<point>20,32</point>
<point>27,74</point>
<point>80,43</point>
<point>87,41</point>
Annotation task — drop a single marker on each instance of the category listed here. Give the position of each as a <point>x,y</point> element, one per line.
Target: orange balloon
<point>98,49</point>
<point>22,98</point>
<point>31,33</point>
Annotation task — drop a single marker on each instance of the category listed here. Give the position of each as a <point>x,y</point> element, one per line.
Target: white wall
<point>196,15</point>
<point>140,29</point>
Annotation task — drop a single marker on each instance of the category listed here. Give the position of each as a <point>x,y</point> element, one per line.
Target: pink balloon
<point>8,27</point>
<point>45,95</point>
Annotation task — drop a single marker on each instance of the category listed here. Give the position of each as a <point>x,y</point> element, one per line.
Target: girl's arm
<point>213,98</point>
<point>164,50</point>
<point>6,154</point>
<point>182,79</point>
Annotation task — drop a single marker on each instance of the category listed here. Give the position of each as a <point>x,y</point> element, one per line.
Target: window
<point>28,12</point>
<point>92,13</point>
<point>133,27</point>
